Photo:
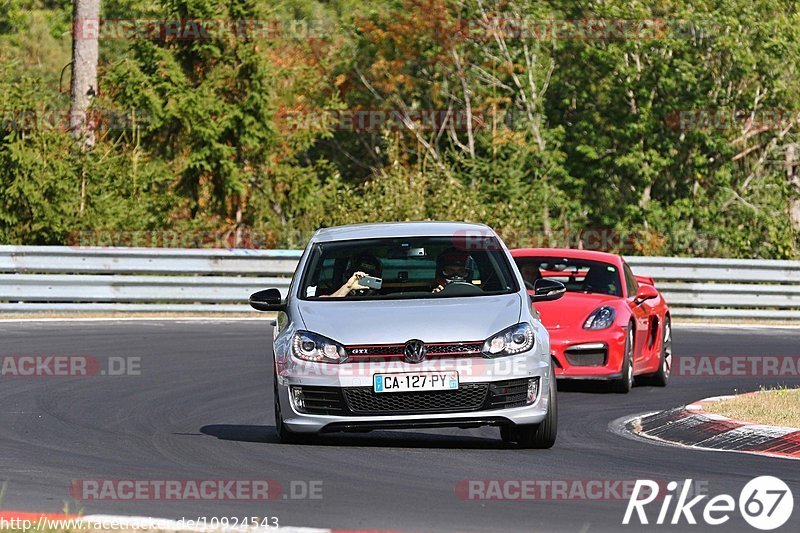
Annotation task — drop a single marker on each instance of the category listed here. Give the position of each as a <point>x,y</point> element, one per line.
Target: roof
<point>571,253</point>
<point>402,229</point>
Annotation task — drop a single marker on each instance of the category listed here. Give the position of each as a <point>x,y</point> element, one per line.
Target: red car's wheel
<point>661,378</point>
<point>624,384</point>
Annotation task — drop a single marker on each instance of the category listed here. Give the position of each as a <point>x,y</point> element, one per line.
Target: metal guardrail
<point>725,288</point>
<point>61,278</point>
<point>58,278</point>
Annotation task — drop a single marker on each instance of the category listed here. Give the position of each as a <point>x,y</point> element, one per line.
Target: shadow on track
<point>382,439</point>
<point>241,433</point>
<point>591,387</point>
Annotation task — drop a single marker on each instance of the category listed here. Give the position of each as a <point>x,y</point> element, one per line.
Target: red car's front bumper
<point>588,354</point>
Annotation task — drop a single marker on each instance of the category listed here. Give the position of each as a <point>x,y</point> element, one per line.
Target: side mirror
<point>267,300</point>
<point>646,292</point>
<point>546,290</point>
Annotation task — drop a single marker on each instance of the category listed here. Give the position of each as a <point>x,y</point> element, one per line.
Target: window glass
<point>577,275</point>
<point>419,267</point>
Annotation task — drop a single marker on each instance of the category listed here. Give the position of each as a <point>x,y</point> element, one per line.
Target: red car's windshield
<point>578,275</point>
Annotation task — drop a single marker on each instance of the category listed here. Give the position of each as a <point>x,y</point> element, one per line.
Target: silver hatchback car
<point>411,325</point>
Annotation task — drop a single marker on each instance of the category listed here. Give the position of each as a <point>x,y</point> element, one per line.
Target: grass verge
<point>774,407</point>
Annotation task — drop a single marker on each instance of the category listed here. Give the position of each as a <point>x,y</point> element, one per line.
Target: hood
<point>571,310</point>
<point>397,321</point>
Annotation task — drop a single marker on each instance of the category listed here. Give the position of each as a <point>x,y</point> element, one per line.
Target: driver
<point>452,266</point>
<point>357,268</point>
<point>530,274</point>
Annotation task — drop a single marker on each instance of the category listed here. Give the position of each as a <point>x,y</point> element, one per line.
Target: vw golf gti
<point>411,325</point>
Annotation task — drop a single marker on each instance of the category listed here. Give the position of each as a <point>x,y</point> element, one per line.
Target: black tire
<point>624,384</point>
<point>661,378</point>
<point>285,435</point>
<point>543,435</point>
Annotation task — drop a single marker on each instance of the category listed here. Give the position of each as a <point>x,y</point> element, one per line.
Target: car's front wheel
<point>661,378</point>
<point>542,435</point>
<point>624,384</point>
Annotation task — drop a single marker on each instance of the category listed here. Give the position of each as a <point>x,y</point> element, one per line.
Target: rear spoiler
<point>646,280</point>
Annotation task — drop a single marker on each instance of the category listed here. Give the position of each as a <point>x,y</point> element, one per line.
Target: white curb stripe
<point>768,431</point>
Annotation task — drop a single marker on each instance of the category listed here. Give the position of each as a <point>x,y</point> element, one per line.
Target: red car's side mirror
<point>646,292</point>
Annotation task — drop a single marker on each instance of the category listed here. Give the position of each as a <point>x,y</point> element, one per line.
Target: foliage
<point>472,111</point>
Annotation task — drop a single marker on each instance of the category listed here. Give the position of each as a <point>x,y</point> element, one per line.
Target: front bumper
<point>351,382</point>
<point>588,354</point>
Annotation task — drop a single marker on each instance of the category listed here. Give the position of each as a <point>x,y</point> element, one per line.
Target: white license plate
<point>415,381</point>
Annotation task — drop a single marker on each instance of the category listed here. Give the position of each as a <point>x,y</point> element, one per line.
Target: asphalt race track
<point>201,409</point>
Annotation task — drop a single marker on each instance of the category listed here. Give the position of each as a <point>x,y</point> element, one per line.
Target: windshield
<point>577,275</point>
<point>408,268</point>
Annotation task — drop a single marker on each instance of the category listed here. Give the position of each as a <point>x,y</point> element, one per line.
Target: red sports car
<point>610,325</point>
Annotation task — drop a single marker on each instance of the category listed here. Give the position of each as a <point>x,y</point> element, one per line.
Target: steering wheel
<point>457,288</point>
<point>361,293</point>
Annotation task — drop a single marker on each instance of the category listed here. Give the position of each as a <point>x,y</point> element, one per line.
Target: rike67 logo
<point>765,503</point>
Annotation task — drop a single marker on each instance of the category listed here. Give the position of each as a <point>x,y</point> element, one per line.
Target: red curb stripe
<point>694,427</point>
<point>788,445</point>
<point>20,515</point>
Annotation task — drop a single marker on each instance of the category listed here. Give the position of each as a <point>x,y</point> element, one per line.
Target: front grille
<point>364,401</point>
<point>462,348</point>
<point>506,394</point>
<point>375,352</point>
<point>586,357</point>
<point>468,397</point>
<point>396,351</point>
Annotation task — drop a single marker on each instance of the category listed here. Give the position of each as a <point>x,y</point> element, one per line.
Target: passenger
<point>357,268</point>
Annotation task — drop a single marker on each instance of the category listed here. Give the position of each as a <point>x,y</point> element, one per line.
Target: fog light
<point>297,398</point>
<point>533,390</point>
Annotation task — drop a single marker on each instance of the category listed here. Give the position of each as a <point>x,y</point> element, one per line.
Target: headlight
<point>514,340</point>
<point>601,318</point>
<point>312,347</point>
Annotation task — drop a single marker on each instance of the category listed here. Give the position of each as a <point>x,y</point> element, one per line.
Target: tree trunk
<point>793,175</point>
<point>85,30</point>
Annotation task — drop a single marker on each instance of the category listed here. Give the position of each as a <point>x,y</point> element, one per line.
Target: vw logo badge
<point>415,351</point>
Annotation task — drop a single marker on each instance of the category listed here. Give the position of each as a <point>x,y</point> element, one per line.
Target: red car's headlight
<point>601,318</point>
